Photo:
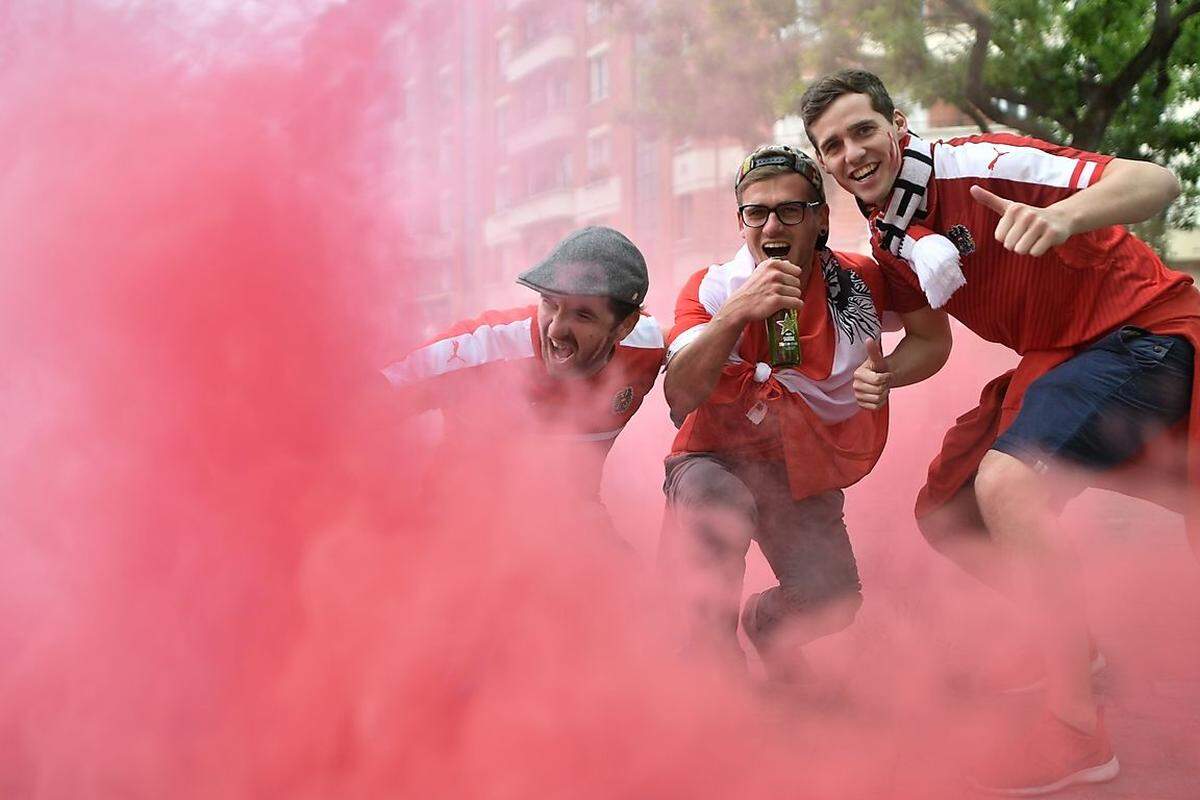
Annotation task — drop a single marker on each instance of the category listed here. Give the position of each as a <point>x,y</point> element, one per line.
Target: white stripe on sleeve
<point>1004,162</point>
<point>686,338</point>
<point>646,334</point>
<point>1085,177</point>
<point>485,344</point>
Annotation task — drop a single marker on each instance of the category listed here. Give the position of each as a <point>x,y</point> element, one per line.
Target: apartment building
<point>519,127</point>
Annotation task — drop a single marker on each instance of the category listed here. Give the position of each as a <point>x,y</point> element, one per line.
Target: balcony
<point>698,168</point>
<point>549,128</point>
<point>553,48</point>
<point>504,226</point>
<point>598,199</point>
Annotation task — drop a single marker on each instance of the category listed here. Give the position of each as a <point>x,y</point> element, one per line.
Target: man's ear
<point>823,236</point>
<point>628,324</point>
<point>900,121</point>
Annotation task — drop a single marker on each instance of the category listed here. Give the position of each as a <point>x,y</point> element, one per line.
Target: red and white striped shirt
<point>805,416</point>
<point>488,372</point>
<point>1077,292</point>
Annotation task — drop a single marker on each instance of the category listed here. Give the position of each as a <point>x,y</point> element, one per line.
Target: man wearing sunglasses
<point>765,449</point>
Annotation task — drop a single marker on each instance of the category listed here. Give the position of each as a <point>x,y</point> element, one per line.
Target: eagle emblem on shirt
<point>849,300</point>
<point>622,400</point>
<point>960,237</point>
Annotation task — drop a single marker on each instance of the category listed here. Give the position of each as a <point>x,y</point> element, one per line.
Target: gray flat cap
<point>595,261</point>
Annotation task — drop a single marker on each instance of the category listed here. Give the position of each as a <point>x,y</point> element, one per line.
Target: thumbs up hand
<point>1026,230</point>
<point>873,379</point>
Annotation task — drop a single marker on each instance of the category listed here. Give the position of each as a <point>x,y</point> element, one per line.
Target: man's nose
<point>854,152</point>
<point>558,328</point>
<point>773,226</point>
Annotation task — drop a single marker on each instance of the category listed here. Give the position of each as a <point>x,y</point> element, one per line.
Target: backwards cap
<point>780,155</point>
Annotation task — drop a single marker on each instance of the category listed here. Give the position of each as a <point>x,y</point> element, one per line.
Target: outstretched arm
<point>1126,192</point>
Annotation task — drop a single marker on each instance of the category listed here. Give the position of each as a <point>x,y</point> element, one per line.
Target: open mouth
<point>776,249</point>
<point>559,353</point>
<point>864,173</point>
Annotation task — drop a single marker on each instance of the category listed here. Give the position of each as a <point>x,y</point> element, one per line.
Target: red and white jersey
<point>805,415</point>
<point>488,375</point>
<point>1086,287</point>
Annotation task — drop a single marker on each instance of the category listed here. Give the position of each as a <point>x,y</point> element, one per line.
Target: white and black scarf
<point>898,229</point>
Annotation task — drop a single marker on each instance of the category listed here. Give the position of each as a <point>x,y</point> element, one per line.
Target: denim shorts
<point>1100,407</point>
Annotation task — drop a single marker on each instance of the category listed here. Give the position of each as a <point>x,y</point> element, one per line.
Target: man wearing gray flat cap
<point>571,369</point>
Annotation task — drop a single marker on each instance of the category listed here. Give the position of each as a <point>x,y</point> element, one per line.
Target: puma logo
<point>454,345</point>
<point>992,164</point>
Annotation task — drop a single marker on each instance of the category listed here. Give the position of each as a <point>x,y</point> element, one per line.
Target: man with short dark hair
<point>1021,241</point>
<point>766,447</point>
<point>570,371</point>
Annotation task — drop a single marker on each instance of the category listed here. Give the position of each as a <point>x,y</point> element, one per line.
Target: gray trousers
<point>715,507</point>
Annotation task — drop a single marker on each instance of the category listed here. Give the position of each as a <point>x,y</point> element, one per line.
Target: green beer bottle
<point>783,337</point>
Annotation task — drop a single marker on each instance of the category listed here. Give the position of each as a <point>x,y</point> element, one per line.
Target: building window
<point>534,28</point>
<point>543,96</point>
<point>646,187</point>
<point>557,92</point>
<point>541,23</point>
<point>534,101</point>
<point>503,190</point>
<point>548,174</point>
<point>598,78</point>
<point>685,216</point>
<point>599,156</point>
<point>502,122</point>
<point>597,11</point>
<point>504,51</point>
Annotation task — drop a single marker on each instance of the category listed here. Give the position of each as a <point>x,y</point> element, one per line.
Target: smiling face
<point>578,334</point>
<point>859,147</point>
<point>794,243</point>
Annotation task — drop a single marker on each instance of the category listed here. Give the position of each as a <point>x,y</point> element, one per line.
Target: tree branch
<point>1036,106</point>
<point>1104,99</point>
<point>979,96</point>
<point>968,108</point>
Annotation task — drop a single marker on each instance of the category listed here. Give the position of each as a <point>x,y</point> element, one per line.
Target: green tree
<point>1114,76</point>
<point>714,68</point>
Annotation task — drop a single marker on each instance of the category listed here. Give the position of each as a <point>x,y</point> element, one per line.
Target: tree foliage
<point>714,68</point>
<point>1116,76</point>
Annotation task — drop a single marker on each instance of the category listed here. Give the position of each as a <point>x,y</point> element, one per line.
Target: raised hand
<point>1023,229</point>
<point>774,284</point>
<point>873,379</point>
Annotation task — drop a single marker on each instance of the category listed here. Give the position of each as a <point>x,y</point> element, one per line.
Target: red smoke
<point>225,573</point>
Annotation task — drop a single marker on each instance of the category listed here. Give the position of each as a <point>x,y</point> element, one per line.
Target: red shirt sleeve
<point>689,311</point>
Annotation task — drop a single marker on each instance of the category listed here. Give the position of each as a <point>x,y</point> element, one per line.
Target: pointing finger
<point>993,201</point>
